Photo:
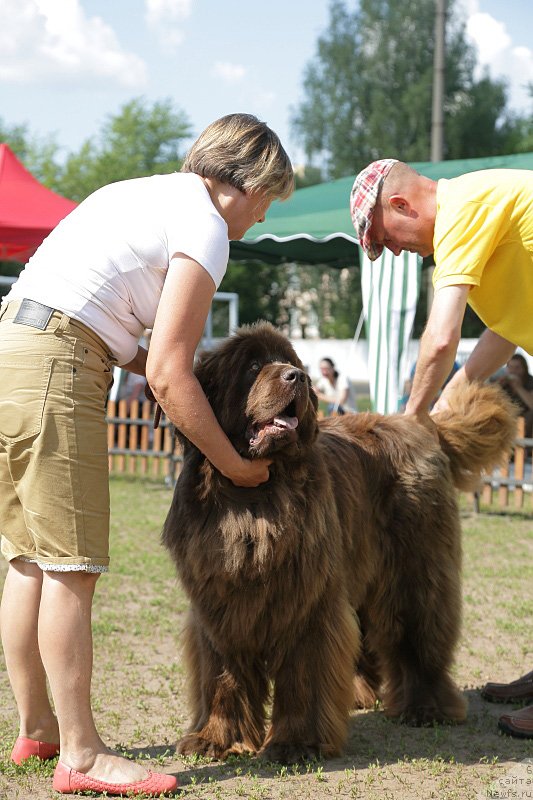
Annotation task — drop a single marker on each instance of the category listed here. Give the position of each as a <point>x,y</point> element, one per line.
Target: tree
<point>140,140</point>
<point>260,287</point>
<point>368,89</point>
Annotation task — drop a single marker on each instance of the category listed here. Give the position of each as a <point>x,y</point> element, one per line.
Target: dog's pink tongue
<point>286,422</point>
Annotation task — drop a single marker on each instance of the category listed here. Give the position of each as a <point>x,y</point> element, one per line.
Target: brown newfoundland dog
<point>338,580</point>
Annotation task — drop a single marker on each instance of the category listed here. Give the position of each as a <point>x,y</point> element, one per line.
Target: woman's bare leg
<point>65,642</point>
<point>19,615</point>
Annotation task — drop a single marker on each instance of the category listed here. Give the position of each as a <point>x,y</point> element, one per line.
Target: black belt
<point>34,314</point>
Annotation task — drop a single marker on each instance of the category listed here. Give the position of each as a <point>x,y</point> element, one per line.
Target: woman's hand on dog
<point>252,473</point>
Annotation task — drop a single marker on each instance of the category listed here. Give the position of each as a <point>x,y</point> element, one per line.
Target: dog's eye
<point>255,366</point>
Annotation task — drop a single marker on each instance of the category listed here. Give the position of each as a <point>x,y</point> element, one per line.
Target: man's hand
<point>423,418</point>
<point>441,405</point>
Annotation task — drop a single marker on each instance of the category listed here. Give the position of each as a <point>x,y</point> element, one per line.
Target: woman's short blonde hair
<point>240,150</point>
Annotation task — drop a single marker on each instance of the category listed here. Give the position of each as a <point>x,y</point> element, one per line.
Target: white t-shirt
<point>106,262</point>
<point>334,393</point>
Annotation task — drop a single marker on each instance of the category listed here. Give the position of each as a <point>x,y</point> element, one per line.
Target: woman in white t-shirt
<point>334,389</point>
<point>144,253</point>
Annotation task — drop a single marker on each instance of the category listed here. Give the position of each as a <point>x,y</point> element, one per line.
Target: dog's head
<point>260,392</point>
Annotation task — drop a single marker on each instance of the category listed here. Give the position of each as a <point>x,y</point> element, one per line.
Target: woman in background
<point>334,389</point>
<point>518,384</point>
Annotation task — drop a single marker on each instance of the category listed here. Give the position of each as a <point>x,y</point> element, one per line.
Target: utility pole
<point>437,116</point>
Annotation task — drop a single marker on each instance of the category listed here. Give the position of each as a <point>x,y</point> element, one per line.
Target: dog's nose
<point>293,375</point>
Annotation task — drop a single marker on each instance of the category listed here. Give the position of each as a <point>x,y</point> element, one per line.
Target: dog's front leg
<point>228,697</point>
<point>313,687</point>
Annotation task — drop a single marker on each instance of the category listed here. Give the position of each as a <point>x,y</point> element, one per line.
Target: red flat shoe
<point>24,748</point>
<point>68,780</point>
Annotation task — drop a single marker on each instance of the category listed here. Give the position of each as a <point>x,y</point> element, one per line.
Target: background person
<point>333,389</point>
<point>518,384</point>
<point>479,228</point>
<point>141,253</point>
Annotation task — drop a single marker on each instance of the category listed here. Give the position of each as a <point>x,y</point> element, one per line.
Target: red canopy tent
<point>28,210</point>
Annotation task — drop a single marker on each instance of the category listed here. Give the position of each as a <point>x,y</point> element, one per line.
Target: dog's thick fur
<point>337,580</point>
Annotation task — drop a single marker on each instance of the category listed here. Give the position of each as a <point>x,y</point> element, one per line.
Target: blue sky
<point>67,64</point>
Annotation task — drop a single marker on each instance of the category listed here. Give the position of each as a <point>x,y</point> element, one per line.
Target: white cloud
<point>158,11</point>
<point>165,17</point>
<point>230,73</point>
<point>497,53</point>
<point>489,35</point>
<point>44,39</point>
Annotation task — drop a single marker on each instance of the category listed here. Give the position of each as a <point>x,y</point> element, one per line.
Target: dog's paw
<point>289,752</point>
<point>427,716</point>
<point>196,744</point>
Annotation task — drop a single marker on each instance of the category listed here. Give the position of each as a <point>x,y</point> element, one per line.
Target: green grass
<point>139,686</point>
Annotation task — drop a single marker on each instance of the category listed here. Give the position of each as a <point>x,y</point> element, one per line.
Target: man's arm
<point>490,353</point>
<point>438,347</point>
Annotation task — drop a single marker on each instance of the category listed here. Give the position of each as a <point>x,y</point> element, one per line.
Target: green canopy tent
<point>314,225</point>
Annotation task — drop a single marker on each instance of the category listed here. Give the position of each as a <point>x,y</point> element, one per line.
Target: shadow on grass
<point>374,740</point>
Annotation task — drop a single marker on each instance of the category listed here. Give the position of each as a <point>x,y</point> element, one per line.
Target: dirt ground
<point>139,684</point>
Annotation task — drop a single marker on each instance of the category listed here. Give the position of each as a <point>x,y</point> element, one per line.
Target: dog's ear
<point>206,370</point>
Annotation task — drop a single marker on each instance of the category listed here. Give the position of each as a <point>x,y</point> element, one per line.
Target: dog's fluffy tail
<point>477,431</point>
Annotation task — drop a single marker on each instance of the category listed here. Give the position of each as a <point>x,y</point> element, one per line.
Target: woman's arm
<point>178,327</point>
<point>138,363</point>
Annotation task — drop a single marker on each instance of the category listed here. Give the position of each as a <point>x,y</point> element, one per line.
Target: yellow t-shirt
<point>484,237</point>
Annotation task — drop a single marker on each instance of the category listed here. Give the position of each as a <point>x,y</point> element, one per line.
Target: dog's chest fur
<point>243,554</point>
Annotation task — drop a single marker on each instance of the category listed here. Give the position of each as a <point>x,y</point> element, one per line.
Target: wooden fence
<point>135,448</point>
<point>508,485</point>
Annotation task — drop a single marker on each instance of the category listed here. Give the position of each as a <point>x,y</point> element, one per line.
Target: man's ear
<point>400,204</point>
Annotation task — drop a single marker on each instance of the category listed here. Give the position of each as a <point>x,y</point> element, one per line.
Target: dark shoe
<point>518,723</point>
<point>518,691</point>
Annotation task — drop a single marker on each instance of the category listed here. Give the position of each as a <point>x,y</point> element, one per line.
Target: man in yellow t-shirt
<point>479,228</point>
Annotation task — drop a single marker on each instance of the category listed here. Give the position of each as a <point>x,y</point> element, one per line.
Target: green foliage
<point>307,176</point>
<point>368,90</point>
<point>141,140</point>
<point>338,300</point>
<point>328,295</point>
<point>260,287</point>
<point>472,129</point>
<point>38,154</point>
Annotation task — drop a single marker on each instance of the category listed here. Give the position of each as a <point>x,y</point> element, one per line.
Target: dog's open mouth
<point>279,425</point>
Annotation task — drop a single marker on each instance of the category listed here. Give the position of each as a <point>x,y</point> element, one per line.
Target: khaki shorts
<point>54,480</point>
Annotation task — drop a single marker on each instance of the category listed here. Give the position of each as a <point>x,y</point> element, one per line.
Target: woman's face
<point>515,367</point>
<point>326,369</point>
<point>247,209</point>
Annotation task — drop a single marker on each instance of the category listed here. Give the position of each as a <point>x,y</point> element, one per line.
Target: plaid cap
<point>363,197</point>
